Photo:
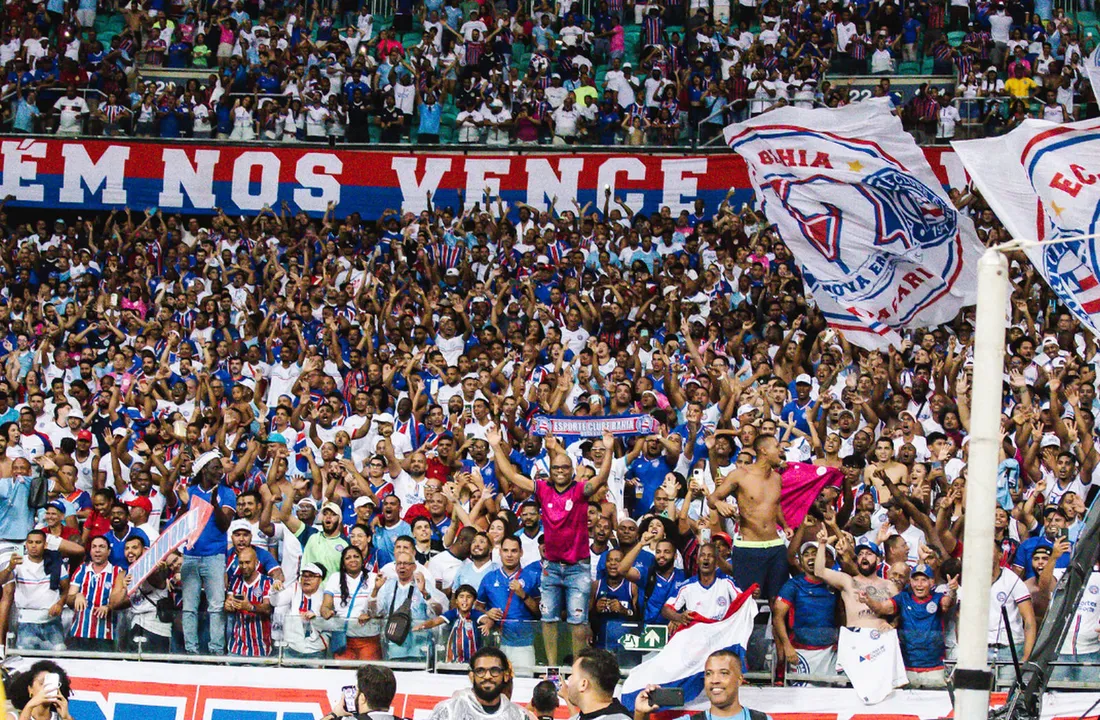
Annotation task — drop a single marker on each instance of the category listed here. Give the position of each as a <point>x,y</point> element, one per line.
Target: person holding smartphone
<point>41,692</point>
<point>722,679</point>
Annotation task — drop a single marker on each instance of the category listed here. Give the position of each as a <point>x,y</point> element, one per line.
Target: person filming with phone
<point>41,692</point>
<point>722,681</point>
<point>371,696</point>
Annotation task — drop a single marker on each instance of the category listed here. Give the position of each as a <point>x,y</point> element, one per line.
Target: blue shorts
<point>567,587</point>
<point>757,563</point>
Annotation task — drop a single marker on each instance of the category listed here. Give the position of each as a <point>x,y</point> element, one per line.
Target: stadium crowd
<point>590,72</point>
<point>360,407</point>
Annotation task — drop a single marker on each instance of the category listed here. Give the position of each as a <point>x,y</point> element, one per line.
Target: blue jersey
<point>212,540</point>
<point>650,473</point>
<point>518,625</point>
<point>96,589</point>
<point>1027,549</point>
<point>811,616</point>
<point>662,590</point>
<point>118,546</point>
<point>610,626</point>
<point>920,630</point>
<point>384,538</point>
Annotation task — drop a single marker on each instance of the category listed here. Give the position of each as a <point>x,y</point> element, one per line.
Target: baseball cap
<point>306,502</point>
<point>238,525</point>
<point>924,570</point>
<point>724,537</point>
<point>813,544</point>
<point>57,505</point>
<point>1050,440</point>
<point>865,544</point>
<point>313,569</point>
<point>84,435</point>
<point>144,503</point>
<point>803,378</point>
<point>452,272</point>
<point>362,500</point>
<point>383,418</point>
<point>332,507</point>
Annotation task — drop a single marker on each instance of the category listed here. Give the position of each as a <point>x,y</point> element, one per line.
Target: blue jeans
<point>1077,673</point>
<point>206,572</point>
<point>565,586</point>
<point>41,636</point>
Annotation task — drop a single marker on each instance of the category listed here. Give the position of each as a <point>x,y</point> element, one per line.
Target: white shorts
<point>521,657</point>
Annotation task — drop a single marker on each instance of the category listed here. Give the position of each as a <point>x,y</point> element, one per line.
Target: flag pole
<point>972,678</point>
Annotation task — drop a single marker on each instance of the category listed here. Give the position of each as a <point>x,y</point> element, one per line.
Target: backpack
<point>39,495</point>
<point>399,622</point>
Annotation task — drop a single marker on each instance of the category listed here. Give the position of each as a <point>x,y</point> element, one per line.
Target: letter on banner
<point>414,195</point>
<point>181,175</point>
<point>186,529</point>
<point>17,169</point>
<point>880,244</point>
<point>681,189</point>
<point>269,165</point>
<point>305,173</point>
<point>607,177</point>
<point>543,184</point>
<point>80,170</point>
<point>480,175</point>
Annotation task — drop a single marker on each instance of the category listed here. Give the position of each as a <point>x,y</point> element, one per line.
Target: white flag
<point>1092,67</point>
<point>880,245</point>
<point>1043,182</point>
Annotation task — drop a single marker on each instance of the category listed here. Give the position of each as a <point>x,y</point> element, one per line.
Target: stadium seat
<point>955,38</point>
<point>908,68</point>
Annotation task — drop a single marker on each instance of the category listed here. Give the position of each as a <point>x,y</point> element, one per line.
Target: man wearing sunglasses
<point>490,677</point>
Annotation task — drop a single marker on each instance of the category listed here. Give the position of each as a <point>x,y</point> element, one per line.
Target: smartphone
<point>51,684</point>
<point>667,697</point>
<point>239,597</point>
<point>553,674</point>
<point>1064,533</point>
<point>351,694</point>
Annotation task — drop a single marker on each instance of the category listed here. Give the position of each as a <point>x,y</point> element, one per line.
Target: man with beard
<point>490,676</point>
<point>664,581</point>
<point>1054,525</point>
<point>325,547</point>
<point>477,566</point>
<point>864,630</point>
<point>759,555</point>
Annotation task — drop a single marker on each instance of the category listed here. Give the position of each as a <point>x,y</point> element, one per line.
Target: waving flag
<point>1092,68</point>
<point>1042,182</point>
<point>879,243</point>
<point>682,662</point>
<point>184,531</point>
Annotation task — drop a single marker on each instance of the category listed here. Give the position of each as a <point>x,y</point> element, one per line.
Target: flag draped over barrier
<point>1043,182</point>
<point>682,662</point>
<point>185,530</point>
<point>879,243</point>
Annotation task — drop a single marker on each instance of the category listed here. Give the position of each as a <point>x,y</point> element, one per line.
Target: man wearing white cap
<point>796,408</point>
<point>204,562</point>
<point>324,548</point>
<point>298,606</point>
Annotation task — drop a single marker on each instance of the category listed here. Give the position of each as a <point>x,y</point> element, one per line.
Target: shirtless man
<point>864,629</point>
<point>884,460</point>
<point>758,555</point>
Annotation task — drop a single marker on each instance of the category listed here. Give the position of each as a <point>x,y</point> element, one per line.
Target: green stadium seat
<point>908,68</point>
<point>955,39</point>
<point>927,65</point>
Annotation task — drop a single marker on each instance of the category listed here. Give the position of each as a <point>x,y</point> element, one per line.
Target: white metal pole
<point>971,699</point>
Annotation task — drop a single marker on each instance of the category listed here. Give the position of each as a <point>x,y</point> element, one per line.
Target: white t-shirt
<point>33,596</point>
<point>71,110</point>
<point>1082,637</point>
<point>1007,591</point>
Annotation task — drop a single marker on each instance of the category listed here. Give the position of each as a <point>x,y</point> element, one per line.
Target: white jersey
<point>874,662</point>
<point>1082,637</point>
<point>709,601</point>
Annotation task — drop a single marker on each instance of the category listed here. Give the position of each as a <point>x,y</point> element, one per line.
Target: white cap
<point>313,568</point>
<point>383,418</point>
<point>239,525</point>
<point>248,383</point>
<point>361,501</point>
<point>803,378</point>
<point>542,260</point>
<point>203,460</point>
<point>1050,440</point>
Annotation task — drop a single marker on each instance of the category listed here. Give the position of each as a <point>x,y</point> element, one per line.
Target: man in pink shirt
<point>566,571</point>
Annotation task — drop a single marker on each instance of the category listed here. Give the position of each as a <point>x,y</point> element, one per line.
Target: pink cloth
<point>802,483</point>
